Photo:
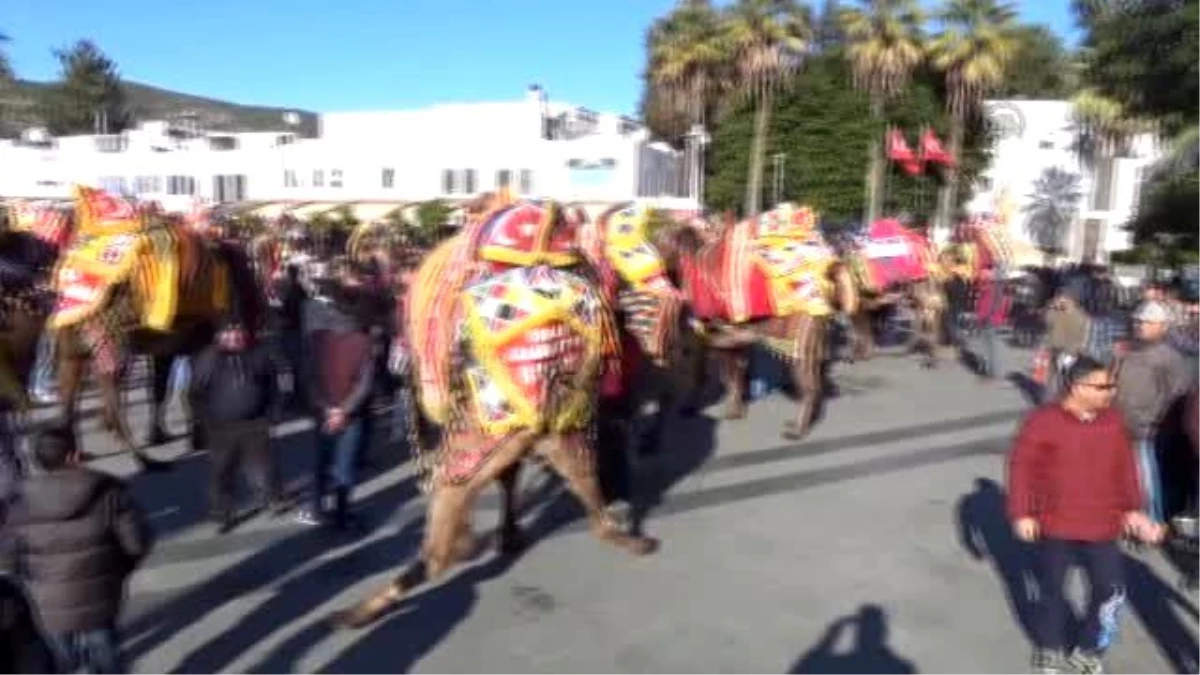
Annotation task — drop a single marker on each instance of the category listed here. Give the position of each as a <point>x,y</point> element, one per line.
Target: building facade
<point>531,145</point>
<point>1040,160</point>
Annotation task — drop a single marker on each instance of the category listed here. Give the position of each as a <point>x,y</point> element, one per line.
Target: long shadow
<point>424,619</point>
<point>692,442</point>
<point>986,534</point>
<point>1033,392</point>
<point>870,652</point>
<point>159,623</point>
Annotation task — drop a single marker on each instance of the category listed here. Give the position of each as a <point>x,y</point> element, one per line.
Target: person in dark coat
<point>339,377</point>
<point>234,395</point>
<point>74,536</point>
<point>25,647</point>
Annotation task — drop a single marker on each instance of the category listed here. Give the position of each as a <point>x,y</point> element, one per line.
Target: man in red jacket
<point>1073,489</point>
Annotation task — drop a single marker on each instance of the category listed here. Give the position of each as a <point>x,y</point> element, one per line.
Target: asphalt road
<point>876,545</point>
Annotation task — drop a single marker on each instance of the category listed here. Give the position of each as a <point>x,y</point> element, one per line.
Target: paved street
<point>877,545</point>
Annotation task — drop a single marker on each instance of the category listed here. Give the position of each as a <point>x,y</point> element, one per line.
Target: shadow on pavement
<point>870,652</point>
<point>985,534</point>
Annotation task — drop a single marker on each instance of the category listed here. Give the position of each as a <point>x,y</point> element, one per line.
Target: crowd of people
<point>1083,472</point>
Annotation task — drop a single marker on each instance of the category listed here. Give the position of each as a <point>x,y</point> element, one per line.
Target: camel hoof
<point>737,414</point>
<point>641,546</point>
<point>792,431</point>
<point>361,615</point>
<point>512,541</point>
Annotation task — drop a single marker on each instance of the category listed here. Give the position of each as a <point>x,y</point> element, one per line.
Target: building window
<point>284,139</point>
<point>116,143</point>
<point>1046,145</point>
<point>318,178</point>
<point>112,184</point>
<point>503,178</point>
<point>1102,180</point>
<point>389,178</point>
<point>526,181</point>
<point>229,188</point>
<point>289,178</point>
<point>147,185</point>
<point>222,143</point>
<point>469,181</point>
<point>181,185</point>
<point>335,178</point>
<point>448,181</point>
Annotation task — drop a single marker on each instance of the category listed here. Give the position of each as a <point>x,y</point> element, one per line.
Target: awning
<point>313,209</point>
<point>367,212</point>
<point>272,210</point>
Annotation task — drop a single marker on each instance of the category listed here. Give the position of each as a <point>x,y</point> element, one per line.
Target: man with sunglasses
<point>1152,375</point>
<point>1072,492</point>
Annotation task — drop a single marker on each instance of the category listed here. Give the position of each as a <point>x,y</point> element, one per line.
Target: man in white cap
<point>1151,376</point>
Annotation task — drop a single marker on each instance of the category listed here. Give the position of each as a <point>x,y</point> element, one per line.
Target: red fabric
<point>932,150</point>
<point>989,313</point>
<point>1077,479</point>
<point>887,271</point>
<point>708,302</point>
<point>912,167</point>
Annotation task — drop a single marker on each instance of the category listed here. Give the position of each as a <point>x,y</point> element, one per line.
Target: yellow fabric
<point>495,380</point>
<point>433,302</point>
<point>627,246</point>
<point>94,217</point>
<point>496,249</point>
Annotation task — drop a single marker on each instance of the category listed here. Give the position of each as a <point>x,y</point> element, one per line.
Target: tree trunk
<point>948,194</point>
<point>758,146</point>
<point>875,166</point>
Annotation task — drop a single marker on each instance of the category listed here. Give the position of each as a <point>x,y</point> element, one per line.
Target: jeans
<point>991,358</point>
<point>181,375</point>
<point>1101,562</point>
<point>92,651</point>
<point>43,372</point>
<point>1148,476</point>
<point>241,444</point>
<point>337,456</point>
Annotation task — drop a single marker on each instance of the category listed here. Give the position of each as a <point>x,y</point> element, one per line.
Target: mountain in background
<point>19,109</point>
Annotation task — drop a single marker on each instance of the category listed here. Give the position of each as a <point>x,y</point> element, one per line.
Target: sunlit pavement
<point>876,545</point>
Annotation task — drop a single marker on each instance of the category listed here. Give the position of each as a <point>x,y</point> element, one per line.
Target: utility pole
<point>778,166</point>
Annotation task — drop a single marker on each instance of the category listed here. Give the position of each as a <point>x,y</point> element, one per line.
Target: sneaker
<point>310,517</point>
<point>1085,662</point>
<point>1046,662</point>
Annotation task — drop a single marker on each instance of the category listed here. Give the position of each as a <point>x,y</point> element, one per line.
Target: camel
<point>508,350</point>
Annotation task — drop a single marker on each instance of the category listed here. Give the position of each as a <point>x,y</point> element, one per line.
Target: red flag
<point>897,147</point>
<point>932,150</point>
<point>912,167</point>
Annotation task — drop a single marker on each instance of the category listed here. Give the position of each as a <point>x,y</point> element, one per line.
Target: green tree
<point>883,46</point>
<point>88,97</point>
<point>1142,54</point>
<point>432,217</point>
<point>768,40</point>
<point>973,51</point>
<point>1041,67</point>
<point>1167,211</point>
<point>1051,209</point>
<point>6,71</point>
<point>818,123</point>
<point>688,54</point>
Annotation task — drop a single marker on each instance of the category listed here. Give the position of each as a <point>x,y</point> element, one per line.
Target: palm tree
<point>883,47</point>
<point>768,40</point>
<point>689,57</point>
<point>1051,209</point>
<point>974,47</point>
<point>6,71</point>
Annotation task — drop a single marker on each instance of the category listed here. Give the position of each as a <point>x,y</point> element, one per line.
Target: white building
<point>1033,137</point>
<point>534,146</point>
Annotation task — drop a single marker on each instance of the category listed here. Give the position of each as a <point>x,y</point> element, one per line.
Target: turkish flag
<point>932,150</point>
<point>897,147</point>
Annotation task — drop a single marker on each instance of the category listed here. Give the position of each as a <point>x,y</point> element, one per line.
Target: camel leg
<point>449,509</point>
<point>114,415</point>
<point>566,456</point>
<point>511,540</point>
<point>864,338</point>
<point>69,369</point>
<point>734,365</point>
<point>806,374</point>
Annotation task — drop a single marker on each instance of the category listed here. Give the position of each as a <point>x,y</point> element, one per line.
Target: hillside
<point>148,103</point>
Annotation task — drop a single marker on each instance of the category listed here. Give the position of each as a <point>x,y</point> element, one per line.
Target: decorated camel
<point>893,265</point>
<point>31,240</point>
<point>135,282</point>
<point>770,280</point>
<point>510,335</point>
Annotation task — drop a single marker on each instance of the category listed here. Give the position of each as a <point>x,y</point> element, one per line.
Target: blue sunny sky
<point>327,55</point>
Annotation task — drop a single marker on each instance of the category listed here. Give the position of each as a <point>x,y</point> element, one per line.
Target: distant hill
<point>21,104</point>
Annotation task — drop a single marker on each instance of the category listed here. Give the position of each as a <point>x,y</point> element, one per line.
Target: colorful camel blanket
<point>170,273</point>
<point>890,255</point>
<point>771,266</point>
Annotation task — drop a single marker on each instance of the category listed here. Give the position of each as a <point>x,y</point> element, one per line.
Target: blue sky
<point>328,55</point>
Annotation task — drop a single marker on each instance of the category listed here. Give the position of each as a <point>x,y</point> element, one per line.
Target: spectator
<point>234,395</point>
<point>1151,376</point>
<point>1072,490</point>
<point>26,649</point>
<point>1067,328</point>
<point>339,383</point>
<point>992,309</point>
<point>75,537</point>
<point>293,297</point>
